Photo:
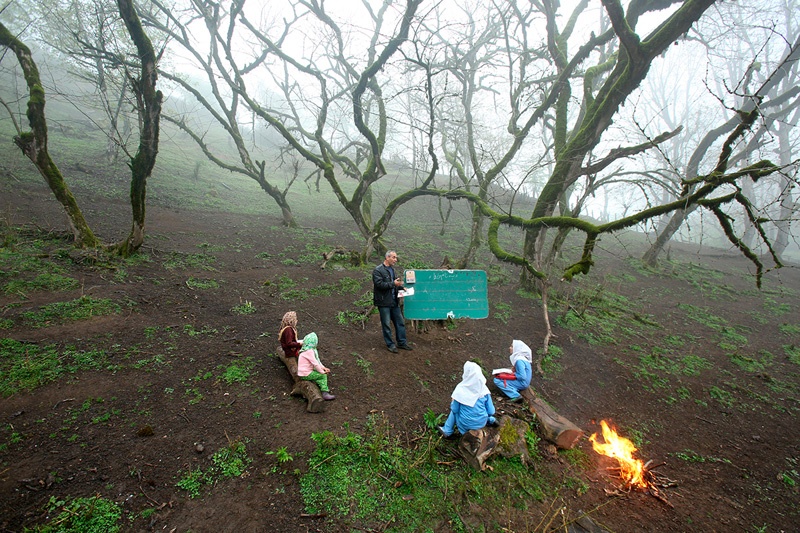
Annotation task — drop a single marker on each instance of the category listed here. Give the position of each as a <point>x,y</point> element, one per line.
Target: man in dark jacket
<point>386,284</point>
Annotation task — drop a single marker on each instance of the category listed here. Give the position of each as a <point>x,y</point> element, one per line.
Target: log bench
<point>555,428</point>
<point>309,390</point>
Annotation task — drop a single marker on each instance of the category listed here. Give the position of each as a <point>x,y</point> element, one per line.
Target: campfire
<point>634,473</point>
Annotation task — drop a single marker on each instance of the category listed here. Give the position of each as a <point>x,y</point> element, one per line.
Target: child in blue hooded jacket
<point>471,406</point>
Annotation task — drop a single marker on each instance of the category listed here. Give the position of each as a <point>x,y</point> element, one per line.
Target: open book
<point>502,371</point>
<point>406,292</point>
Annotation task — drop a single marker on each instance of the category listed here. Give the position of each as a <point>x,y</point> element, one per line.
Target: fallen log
<point>352,256</point>
<point>555,427</point>
<point>307,389</point>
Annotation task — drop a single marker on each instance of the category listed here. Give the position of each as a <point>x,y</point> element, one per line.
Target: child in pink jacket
<point>310,368</point>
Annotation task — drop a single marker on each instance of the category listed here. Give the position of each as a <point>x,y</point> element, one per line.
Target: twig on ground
<point>59,402</point>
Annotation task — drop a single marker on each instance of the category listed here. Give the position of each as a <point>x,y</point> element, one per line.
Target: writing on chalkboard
<point>441,294</point>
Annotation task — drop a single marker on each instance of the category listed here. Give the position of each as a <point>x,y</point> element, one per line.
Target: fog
<point>523,96</point>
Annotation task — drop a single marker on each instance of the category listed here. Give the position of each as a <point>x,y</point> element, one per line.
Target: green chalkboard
<point>441,294</point>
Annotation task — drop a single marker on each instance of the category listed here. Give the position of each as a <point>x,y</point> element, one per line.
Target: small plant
<point>790,478</point>
<point>195,396</point>
<point>189,330</point>
<point>82,515</point>
<point>244,308</point>
<point>421,382</point>
<point>281,455</point>
<point>691,456</point>
<point>230,461</point>
<point>363,364</point>
<point>532,440</point>
<point>193,481</point>
<point>432,419</point>
<point>344,318</point>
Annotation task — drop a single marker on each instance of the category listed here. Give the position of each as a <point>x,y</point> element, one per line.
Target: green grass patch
<point>81,308</point>
<point>502,312</point>
<point>244,308</point>
<point>702,315</point>
<point>182,261</point>
<point>792,330</point>
<point>364,303</point>
<point>792,352</point>
<point>602,317</point>
<point>750,364</point>
<point>192,332</point>
<point>81,515</point>
<point>775,308</point>
<point>691,456</point>
<point>375,481</point>
<point>228,462</point>
<point>343,286</point>
<point>497,274</point>
<point>28,366</point>
<point>724,397</point>
<point>202,284</point>
<point>731,339</point>
<point>237,372</point>
<point>43,282</point>
<point>550,364</point>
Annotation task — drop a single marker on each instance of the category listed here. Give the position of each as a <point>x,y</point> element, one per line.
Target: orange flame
<point>621,449</point>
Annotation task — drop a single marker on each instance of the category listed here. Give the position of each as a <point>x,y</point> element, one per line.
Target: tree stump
<point>507,439</point>
<point>307,389</point>
<point>476,445</point>
<point>555,427</point>
<point>512,441</point>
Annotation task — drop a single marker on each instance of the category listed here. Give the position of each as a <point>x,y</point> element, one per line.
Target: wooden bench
<point>308,389</point>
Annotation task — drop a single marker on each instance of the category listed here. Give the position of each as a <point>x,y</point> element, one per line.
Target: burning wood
<point>634,473</point>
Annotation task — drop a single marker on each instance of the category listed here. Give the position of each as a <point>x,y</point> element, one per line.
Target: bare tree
<point>213,56</point>
<point>773,91</point>
<point>33,143</point>
<point>84,35</point>
<point>622,60</point>
<point>148,99</point>
<point>327,104</point>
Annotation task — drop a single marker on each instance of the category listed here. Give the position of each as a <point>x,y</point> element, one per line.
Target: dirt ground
<point>738,476</point>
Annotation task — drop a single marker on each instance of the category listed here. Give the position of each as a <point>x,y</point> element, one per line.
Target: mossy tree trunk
<point>632,65</point>
<point>34,143</point>
<point>148,100</point>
